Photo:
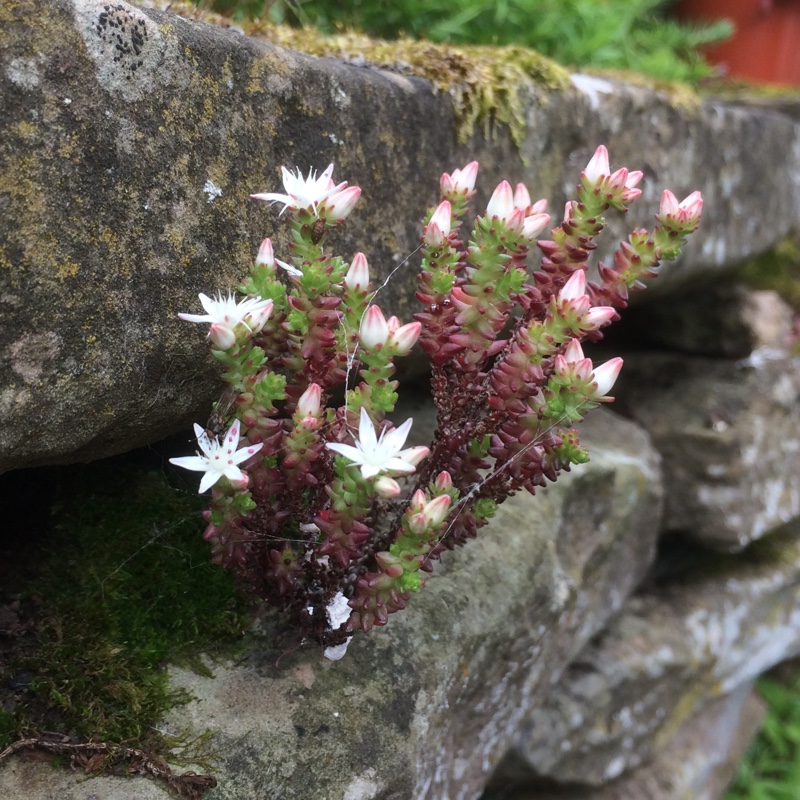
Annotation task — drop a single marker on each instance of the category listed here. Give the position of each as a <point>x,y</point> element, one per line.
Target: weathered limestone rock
<point>729,434</point>
<point>698,763</point>
<point>673,650</point>
<point>131,139</point>
<point>426,707</point>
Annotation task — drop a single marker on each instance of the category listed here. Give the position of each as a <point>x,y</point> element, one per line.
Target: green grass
<point>633,35</point>
<point>771,770</point>
<point>120,587</point>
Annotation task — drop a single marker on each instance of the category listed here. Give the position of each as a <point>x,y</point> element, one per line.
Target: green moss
<point>123,587</point>
<point>777,269</point>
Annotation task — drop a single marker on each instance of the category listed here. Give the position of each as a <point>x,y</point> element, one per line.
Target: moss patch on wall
<point>120,586</point>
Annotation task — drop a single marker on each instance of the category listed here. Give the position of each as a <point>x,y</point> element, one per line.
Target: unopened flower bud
<point>340,204</point>
<point>461,180</point>
<point>387,487</point>
<point>415,455</point>
<point>266,254</point>
<point>417,501</point>
<point>598,167</point>
<point>437,510</point>
<point>443,217</point>
<point>357,276</point>
<point>605,376</point>
<point>309,403</point>
<point>689,209</point>
<point>374,328</point>
<point>444,481</point>
<point>575,287</point>
<point>534,225</point>
<point>256,319</point>
<point>597,317</point>
<point>222,336</point>
<point>501,203</point>
<point>404,338</point>
<point>522,197</point>
<point>418,523</point>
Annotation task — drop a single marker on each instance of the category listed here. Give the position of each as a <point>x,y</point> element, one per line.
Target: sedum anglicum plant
<point>318,506</point>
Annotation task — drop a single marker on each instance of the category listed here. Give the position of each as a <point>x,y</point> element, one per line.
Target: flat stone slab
<point>131,140</point>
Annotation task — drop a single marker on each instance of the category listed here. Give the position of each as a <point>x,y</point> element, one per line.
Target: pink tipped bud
<point>605,376</point>
<point>575,287</point>
<point>597,317</point>
<point>437,510</point>
<point>501,203</point>
<point>417,501</point>
<point>534,225</point>
<point>461,180</point>
<point>357,276</point>
<point>669,204</point>
<point>598,166</point>
<point>634,178</point>
<point>418,523</point>
<point>444,481</point>
<point>688,210</point>
<point>266,254</point>
<point>387,487</point>
<point>374,328</point>
<point>433,236</point>
<point>403,339</point>
<point>340,204</point>
<point>309,403</point>
<point>256,320</point>
<point>222,336</point>
<point>522,197</point>
<point>414,455</point>
<point>573,352</point>
<point>442,217</point>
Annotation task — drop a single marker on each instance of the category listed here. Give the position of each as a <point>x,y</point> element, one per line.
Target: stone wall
<point>597,641</point>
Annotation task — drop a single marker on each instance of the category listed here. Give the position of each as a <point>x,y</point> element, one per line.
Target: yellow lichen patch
<point>65,268</point>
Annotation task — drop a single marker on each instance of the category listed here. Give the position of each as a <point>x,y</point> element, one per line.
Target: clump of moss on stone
<point>121,587</point>
<point>486,84</point>
<point>777,269</point>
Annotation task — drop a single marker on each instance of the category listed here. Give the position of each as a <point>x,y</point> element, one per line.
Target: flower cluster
<point>323,511</point>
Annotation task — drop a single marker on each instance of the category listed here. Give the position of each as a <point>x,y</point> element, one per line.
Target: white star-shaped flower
<point>302,193</point>
<point>375,455</point>
<point>218,458</point>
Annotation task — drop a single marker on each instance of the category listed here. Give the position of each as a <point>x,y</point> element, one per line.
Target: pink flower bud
<point>575,287</point>
<point>433,235</point>
<point>539,207</point>
<point>598,166</point>
<point>414,455</point>
<point>444,481</point>
<point>222,336</point>
<point>340,204</point>
<point>597,317</point>
<point>418,523</point>
<point>573,352</point>
<point>309,403</point>
<point>501,203</point>
<point>387,487</point>
<point>461,180</point>
<point>374,328</point>
<point>534,225</point>
<point>437,510</point>
<point>688,210</point>
<point>404,338</point>
<point>265,254</point>
<point>522,197</point>
<point>417,501</point>
<point>357,276</point>
<point>442,217</point>
<point>605,376</point>
<point>256,320</point>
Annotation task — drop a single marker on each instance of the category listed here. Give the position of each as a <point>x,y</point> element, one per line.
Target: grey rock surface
<point>426,707</point>
<point>698,762</point>
<point>729,434</point>
<point>131,140</point>
<point>673,651</point>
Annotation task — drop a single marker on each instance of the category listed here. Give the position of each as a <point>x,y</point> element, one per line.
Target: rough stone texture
<point>426,707</point>
<point>697,763</point>
<point>708,634</point>
<point>131,139</point>
<point>728,432</point>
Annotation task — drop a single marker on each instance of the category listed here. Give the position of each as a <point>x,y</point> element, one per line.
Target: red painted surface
<point>766,45</point>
